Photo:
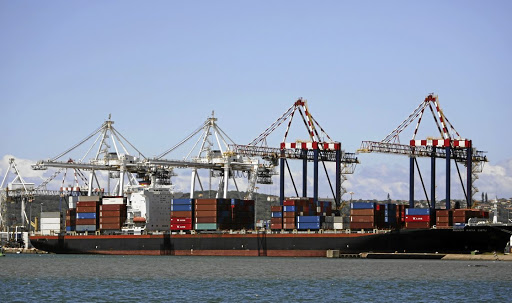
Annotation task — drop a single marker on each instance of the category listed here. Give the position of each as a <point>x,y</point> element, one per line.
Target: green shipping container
<point>206,226</point>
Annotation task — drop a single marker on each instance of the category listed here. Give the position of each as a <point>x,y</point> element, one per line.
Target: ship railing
<point>477,221</point>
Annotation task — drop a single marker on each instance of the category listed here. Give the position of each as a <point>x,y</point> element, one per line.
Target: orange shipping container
<point>86,209</point>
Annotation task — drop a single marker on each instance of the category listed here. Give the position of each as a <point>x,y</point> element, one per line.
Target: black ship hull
<point>464,240</point>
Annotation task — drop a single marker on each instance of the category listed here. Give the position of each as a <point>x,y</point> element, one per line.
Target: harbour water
<point>91,278</point>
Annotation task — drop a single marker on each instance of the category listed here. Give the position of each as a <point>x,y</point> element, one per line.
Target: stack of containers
<point>416,218</point>
<point>71,213</point>
<point>242,214</point>
<point>444,218</point>
<point>276,220</point>
<point>290,212</point>
<point>50,223</point>
<point>112,213</point>
<point>362,215</point>
<point>87,209</point>
<point>463,215</point>
<point>390,211</point>
<point>400,215</point>
<point>182,214</point>
<point>71,219</point>
<point>212,214</point>
<point>309,222</point>
<point>324,208</point>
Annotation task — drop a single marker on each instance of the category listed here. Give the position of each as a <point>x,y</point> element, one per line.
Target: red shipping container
<point>362,219</point>
<point>119,207</point>
<point>417,218</point>
<point>86,209</point>
<point>180,214</point>
<point>288,214</point>
<point>206,213</point>
<point>362,212</point>
<point>362,226</point>
<point>289,220</point>
<point>289,202</point>
<point>87,203</point>
<point>443,220</point>
<point>289,226</point>
<point>112,213</point>
<point>181,220</point>
<point>110,226</point>
<point>276,208</point>
<point>444,212</point>
<point>205,219</point>
<point>276,221</point>
<point>202,207</point>
<point>459,219</point>
<point>206,202</point>
<point>181,226</point>
<point>86,221</point>
<point>417,225</point>
<point>276,226</point>
<point>112,220</point>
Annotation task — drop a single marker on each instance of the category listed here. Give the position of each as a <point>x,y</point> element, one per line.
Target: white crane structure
<point>211,151</point>
<point>111,155</point>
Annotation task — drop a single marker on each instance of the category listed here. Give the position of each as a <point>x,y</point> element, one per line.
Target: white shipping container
<point>338,225</point>
<point>50,214</point>
<point>47,232</point>
<point>50,220</point>
<point>72,201</point>
<point>50,226</point>
<point>119,200</point>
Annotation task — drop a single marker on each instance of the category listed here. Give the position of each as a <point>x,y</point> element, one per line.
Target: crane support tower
<point>315,150</point>
<point>450,146</point>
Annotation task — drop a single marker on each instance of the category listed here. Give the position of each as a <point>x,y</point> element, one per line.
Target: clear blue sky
<point>161,67</point>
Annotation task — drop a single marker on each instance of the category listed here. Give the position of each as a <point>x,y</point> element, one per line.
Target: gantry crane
<point>314,149</point>
<point>118,162</point>
<point>450,146</point>
<point>212,151</point>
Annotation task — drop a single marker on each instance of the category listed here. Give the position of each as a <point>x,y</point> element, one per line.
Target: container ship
<point>151,223</point>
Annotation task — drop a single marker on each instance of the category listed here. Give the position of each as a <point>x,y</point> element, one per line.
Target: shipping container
<point>288,208</point>
<point>81,228</point>
<point>206,226</point>
<point>181,207</point>
<point>355,225</point>
<point>362,212</point>
<point>112,213</point>
<point>181,220</point>
<point>362,219</point>
<point>417,211</point>
<point>207,207</point>
<point>289,226</point>
<point>113,200</point>
<point>362,205</point>
<point>112,220</point>
<point>276,214</point>
<point>86,222</point>
<point>182,201</point>
<point>276,226</point>
<point>276,221</point>
<point>276,208</point>
<point>86,216</point>
<point>89,199</point>
<point>181,226</point>
<point>304,225</point>
<point>309,219</point>
<point>417,225</point>
<point>205,220</point>
<point>87,203</point>
<point>86,209</point>
<point>181,214</point>
<point>120,207</point>
<point>110,226</point>
<point>417,218</point>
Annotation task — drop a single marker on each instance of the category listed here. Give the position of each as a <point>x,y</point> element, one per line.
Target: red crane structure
<point>450,146</point>
<point>315,150</point>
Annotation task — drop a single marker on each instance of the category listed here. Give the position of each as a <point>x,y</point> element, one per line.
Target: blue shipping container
<point>181,207</point>
<point>182,201</point>
<point>308,226</point>
<point>70,228</point>
<point>308,219</point>
<point>86,215</point>
<point>288,208</point>
<point>277,214</point>
<point>362,205</point>
<point>417,211</point>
